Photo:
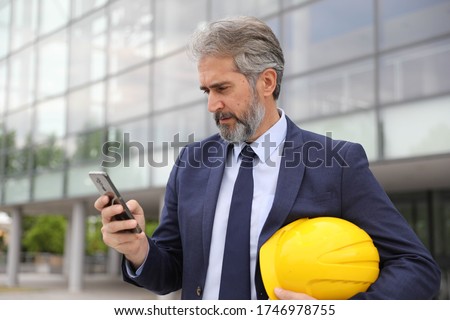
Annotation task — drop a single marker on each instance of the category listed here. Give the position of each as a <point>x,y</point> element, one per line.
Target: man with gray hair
<point>228,194</point>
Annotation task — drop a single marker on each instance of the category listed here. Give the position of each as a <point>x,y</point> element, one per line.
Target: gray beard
<point>244,128</point>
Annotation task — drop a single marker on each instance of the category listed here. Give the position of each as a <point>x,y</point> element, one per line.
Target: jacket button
<point>199,291</point>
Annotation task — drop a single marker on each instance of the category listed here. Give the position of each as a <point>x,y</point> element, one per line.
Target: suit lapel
<point>290,177</point>
<point>211,196</point>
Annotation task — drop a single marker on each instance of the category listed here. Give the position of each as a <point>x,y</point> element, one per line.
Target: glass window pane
<point>331,92</point>
<point>86,108</point>
<point>80,7</point>
<point>359,127</point>
<point>49,185</point>
<point>414,73</point>
<point>88,49</point>
<point>257,8</point>
<point>17,161</point>
<point>130,33</point>
<point>49,156</point>
<point>128,95</point>
<point>424,131</point>
<point>18,129</point>
<point>289,3</point>
<point>52,68</point>
<point>327,32</point>
<point>85,147</point>
<point>50,120</point>
<point>133,177</point>
<point>24,22</point>
<point>78,181</point>
<point>181,125</point>
<point>21,85</point>
<point>3,87</point>
<point>54,14</point>
<point>17,190</point>
<point>173,30</point>
<point>5,17</point>
<point>132,168</point>
<point>406,21</point>
<point>176,82</point>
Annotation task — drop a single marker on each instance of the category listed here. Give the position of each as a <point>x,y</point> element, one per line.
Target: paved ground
<point>54,287</point>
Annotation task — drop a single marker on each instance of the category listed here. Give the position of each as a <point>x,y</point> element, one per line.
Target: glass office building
<point>76,74</point>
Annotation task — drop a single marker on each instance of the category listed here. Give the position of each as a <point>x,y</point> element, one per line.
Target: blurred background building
<point>75,74</point>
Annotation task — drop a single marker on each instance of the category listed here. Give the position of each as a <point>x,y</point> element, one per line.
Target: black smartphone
<point>105,186</point>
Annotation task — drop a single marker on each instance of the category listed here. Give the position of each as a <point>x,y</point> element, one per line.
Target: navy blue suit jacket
<point>318,177</point>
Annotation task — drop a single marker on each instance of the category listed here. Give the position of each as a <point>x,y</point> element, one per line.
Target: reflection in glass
<point>128,95</point>
<point>17,161</point>
<point>5,17</point>
<point>86,108</point>
<point>358,127</point>
<point>21,85</point>
<point>50,120</point>
<point>54,14</point>
<point>424,131</point>
<point>52,67</point>
<point>418,72</point>
<point>80,7</point>
<point>86,147</point>
<point>25,22</point>
<point>130,33</point>
<point>88,49</point>
<point>331,92</point>
<point>407,21</point>
<point>173,30</point>
<point>176,82</point>
<point>18,129</point>
<point>49,155</point>
<point>257,8</point>
<point>327,32</point>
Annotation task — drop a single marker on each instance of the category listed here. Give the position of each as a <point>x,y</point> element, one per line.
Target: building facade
<point>76,74</point>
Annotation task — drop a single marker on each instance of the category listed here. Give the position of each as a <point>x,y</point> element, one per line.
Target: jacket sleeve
<point>407,269</point>
<point>162,270</point>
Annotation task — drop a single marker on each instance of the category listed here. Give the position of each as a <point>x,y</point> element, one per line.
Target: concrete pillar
<point>13,258</point>
<point>78,231</point>
<point>114,259</point>
<point>67,247</point>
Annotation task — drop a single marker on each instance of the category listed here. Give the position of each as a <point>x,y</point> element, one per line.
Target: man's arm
<point>407,269</point>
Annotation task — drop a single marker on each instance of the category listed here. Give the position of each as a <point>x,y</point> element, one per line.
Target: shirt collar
<point>268,142</point>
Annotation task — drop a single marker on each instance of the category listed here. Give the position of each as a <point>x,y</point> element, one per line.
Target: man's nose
<point>214,103</point>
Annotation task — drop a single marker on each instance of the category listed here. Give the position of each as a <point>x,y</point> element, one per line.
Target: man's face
<point>236,107</point>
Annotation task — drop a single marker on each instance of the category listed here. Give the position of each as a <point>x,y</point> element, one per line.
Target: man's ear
<point>268,80</point>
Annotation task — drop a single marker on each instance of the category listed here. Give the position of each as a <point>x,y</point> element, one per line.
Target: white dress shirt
<point>268,148</point>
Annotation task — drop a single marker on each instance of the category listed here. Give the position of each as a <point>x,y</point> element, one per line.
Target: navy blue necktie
<point>235,280</point>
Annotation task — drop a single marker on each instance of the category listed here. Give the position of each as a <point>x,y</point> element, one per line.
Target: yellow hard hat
<point>327,258</point>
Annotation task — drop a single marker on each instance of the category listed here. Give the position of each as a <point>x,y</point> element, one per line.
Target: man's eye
<point>205,91</point>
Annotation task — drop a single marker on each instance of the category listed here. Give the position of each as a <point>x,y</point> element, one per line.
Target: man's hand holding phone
<point>122,234</point>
